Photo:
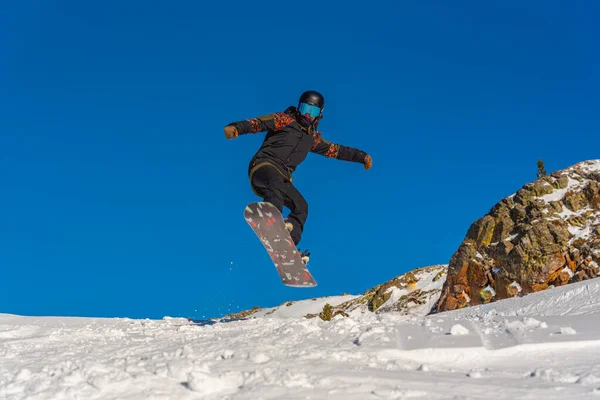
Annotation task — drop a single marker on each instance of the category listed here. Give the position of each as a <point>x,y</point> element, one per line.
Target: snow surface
<point>556,195</point>
<point>301,308</point>
<point>559,194</point>
<point>541,346</point>
<point>591,165</point>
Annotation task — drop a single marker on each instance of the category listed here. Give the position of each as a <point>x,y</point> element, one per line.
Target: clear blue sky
<point>120,196</point>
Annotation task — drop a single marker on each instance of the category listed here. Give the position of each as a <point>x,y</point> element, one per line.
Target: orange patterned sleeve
<point>337,151</point>
<point>270,122</point>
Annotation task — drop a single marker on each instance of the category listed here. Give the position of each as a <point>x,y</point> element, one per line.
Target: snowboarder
<point>291,135</point>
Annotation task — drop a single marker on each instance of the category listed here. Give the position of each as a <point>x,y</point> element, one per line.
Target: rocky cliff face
<point>547,234</point>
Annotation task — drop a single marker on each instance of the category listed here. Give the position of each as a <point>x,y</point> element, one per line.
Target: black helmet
<point>313,98</point>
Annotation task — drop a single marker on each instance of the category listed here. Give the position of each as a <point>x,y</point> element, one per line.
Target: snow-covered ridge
<point>413,293</point>
<point>544,345</point>
<point>300,309</point>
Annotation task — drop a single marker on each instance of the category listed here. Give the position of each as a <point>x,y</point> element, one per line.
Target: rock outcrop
<point>547,234</point>
<point>413,293</point>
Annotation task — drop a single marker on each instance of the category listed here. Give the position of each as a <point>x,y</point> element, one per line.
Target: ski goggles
<point>309,109</point>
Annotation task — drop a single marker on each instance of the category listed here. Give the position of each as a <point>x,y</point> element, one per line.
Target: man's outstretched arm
<point>337,151</point>
<point>269,122</point>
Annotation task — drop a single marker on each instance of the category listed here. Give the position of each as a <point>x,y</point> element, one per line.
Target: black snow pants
<point>281,192</point>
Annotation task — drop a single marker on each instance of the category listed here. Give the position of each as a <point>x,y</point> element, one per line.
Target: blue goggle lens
<point>309,109</point>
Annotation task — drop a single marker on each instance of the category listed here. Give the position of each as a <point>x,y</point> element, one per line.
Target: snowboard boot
<point>305,255</point>
<point>288,225</point>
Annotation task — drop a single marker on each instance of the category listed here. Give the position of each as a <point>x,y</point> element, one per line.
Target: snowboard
<point>267,223</point>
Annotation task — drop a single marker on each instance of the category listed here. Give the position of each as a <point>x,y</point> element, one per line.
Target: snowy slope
<point>299,309</point>
<point>545,345</point>
<point>413,293</point>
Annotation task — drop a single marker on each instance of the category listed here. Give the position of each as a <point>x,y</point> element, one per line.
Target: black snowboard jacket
<point>287,143</point>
